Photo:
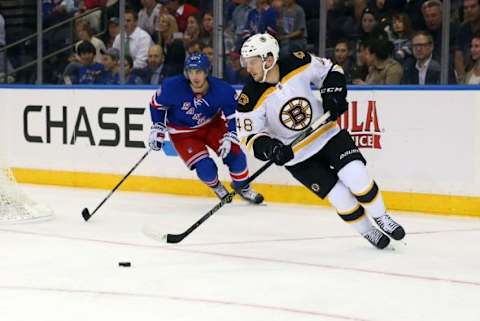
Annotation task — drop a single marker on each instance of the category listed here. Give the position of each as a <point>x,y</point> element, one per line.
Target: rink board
<point>422,146</point>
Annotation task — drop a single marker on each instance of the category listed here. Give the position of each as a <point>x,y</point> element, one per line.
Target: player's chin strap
<point>266,70</point>
<point>176,238</point>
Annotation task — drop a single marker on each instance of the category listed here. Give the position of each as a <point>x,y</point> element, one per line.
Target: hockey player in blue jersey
<point>198,111</point>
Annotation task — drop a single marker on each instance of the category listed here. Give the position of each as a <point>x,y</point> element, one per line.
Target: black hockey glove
<point>279,153</point>
<point>334,94</point>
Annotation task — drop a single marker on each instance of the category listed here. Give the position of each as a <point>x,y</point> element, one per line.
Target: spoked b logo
<point>296,114</point>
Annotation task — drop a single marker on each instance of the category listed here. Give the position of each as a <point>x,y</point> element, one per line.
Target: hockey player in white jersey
<point>278,103</point>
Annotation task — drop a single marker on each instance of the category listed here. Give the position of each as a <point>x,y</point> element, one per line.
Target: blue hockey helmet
<point>197,61</point>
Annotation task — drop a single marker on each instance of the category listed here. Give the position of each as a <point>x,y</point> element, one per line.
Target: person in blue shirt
<point>89,72</point>
<point>261,19</point>
<point>110,74</point>
<point>198,111</point>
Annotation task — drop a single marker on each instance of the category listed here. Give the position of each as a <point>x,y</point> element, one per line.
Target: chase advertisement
<point>406,136</point>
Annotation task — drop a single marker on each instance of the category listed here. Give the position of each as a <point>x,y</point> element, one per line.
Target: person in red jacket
<point>181,11</point>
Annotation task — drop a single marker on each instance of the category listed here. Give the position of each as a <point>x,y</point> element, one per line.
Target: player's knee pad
<point>355,176</point>
<point>345,203</point>
<point>236,162</point>
<point>207,171</point>
<point>341,198</point>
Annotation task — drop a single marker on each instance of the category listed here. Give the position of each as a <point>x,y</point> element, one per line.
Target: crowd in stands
<point>375,41</point>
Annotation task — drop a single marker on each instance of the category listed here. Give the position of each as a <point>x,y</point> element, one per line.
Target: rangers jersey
<point>185,111</point>
<point>285,109</point>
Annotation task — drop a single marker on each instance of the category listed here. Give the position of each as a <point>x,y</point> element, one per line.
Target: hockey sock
<point>348,208</point>
<point>237,164</point>
<point>207,171</point>
<point>355,176</point>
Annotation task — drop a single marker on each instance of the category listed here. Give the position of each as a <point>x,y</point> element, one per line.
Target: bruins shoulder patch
<point>299,54</point>
<point>243,99</point>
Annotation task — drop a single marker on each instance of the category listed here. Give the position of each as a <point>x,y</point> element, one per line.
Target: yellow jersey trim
<point>293,73</point>
<point>319,132</point>
<point>284,79</point>
<point>263,97</point>
<point>249,145</point>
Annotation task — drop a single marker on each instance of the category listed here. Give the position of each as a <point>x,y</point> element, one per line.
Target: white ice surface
<point>257,263</point>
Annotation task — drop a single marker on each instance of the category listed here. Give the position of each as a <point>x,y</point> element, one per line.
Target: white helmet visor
<point>251,62</point>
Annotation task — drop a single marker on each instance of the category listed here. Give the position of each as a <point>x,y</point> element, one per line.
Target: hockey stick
<point>86,214</point>
<point>176,238</point>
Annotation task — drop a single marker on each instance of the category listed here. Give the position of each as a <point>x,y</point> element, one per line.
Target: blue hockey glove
<point>226,143</point>
<point>157,136</point>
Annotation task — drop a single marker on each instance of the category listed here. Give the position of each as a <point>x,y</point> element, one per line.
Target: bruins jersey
<point>285,109</point>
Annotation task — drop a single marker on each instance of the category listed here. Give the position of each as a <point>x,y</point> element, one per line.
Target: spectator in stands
<point>239,17</point>
<point>401,34</point>
<point>137,40</point>
<point>382,70</point>
<point>132,75</point>
<point>113,29</point>
<point>337,22</point>
<point>470,26</point>
<point>148,16</point>
<point>206,34</point>
<point>234,73</point>
<point>368,25</point>
<point>193,47</point>
<point>209,52</point>
<point>293,36</point>
<point>360,69</point>
<point>432,14</point>
<point>54,11</point>
<point>94,17</point>
<point>154,73</point>
<point>5,66</point>
<point>181,11</point>
<point>369,22</point>
<point>192,33</point>
<point>84,33</point>
<point>386,8</point>
<point>89,72</point>
<point>261,19</point>
<point>424,69</point>
<point>342,57</point>
<point>353,25</point>
<point>172,43</point>
<point>110,74</point>
<point>414,10</point>
<point>472,76</point>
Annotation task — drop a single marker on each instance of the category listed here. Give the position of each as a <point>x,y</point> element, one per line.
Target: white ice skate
<point>249,195</point>
<point>220,191</point>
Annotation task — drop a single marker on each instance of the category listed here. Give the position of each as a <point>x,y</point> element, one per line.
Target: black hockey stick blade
<point>177,238</point>
<point>86,214</point>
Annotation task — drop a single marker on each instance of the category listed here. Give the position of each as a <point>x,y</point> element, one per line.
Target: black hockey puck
<point>125,264</point>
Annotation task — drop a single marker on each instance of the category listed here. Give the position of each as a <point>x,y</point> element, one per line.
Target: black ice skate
<point>390,227</point>
<point>250,195</point>
<point>377,238</point>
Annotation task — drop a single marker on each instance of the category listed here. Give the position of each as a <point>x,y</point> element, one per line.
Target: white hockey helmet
<point>260,45</point>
